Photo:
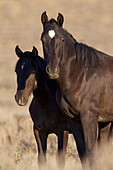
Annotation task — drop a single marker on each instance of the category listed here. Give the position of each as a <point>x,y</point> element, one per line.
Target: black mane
<point>86,54</point>
<point>70,36</point>
<point>51,21</point>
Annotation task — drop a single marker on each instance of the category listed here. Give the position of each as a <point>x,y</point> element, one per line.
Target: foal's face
<point>26,81</point>
<point>52,41</point>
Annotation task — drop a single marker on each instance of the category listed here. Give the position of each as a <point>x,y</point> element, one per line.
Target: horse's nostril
<point>56,70</point>
<point>52,72</point>
<point>47,69</point>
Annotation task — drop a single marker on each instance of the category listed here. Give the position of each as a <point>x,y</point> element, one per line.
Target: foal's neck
<point>45,86</point>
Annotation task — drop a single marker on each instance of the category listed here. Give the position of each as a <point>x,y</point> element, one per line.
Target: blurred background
<point>90,22</point>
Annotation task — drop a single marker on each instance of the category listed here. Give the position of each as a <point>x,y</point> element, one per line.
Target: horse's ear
<point>18,51</point>
<point>60,19</point>
<point>44,18</point>
<point>35,52</point>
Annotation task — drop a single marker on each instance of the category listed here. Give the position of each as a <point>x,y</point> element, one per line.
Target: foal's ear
<point>35,52</point>
<point>44,18</point>
<point>60,19</point>
<point>18,51</point>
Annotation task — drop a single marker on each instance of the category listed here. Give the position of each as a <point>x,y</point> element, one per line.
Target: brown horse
<point>84,76</point>
<point>46,115</point>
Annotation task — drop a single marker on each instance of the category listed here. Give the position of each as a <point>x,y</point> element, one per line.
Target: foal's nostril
<point>23,99</point>
<point>19,102</point>
<point>15,97</point>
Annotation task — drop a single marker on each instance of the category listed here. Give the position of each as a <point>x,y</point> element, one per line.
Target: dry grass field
<point>90,22</point>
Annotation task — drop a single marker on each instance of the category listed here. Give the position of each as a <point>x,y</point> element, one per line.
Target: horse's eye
<point>62,39</point>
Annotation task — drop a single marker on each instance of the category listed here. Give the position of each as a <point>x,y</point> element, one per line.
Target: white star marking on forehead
<point>51,33</point>
<point>22,67</point>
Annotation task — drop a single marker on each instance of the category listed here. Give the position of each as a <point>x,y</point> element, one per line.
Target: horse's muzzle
<point>53,73</point>
<point>21,99</point>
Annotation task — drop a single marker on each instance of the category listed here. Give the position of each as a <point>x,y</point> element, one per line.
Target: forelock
<point>52,21</point>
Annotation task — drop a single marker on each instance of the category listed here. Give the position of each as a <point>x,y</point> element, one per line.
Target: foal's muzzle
<point>53,73</point>
<point>21,99</point>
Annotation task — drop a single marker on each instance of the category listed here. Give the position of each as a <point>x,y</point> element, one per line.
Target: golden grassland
<point>88,21</point>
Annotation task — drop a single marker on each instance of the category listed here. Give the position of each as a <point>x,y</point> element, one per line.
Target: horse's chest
<point>105,107</point>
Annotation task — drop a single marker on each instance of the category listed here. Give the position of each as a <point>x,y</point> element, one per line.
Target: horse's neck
<point>69,57</point>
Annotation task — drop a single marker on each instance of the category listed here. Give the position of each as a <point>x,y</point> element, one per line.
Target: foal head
<point>54,40</point>
<point>25,70</point>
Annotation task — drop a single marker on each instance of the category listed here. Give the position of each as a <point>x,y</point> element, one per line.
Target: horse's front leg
<point>110,137</point>
<point>77,131</point>
<point>103,133</point>
<point>89,124</point>
<point>41,139</point>
<point>62,145</point>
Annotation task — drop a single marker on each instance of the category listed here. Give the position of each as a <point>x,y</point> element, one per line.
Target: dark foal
<point>84,76</point>
<point>44,110</point>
